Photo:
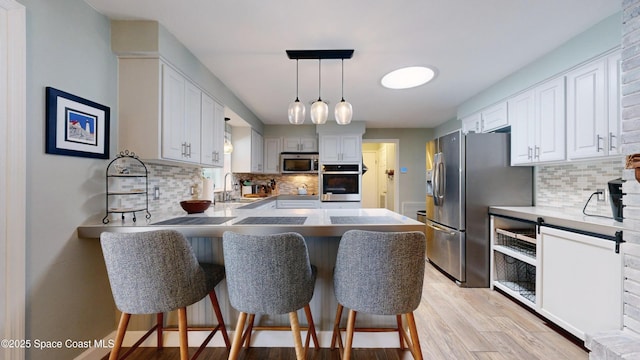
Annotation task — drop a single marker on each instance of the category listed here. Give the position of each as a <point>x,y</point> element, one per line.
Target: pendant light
<point>296,108</point>
<point>343,111</point>
<point>319,109</point>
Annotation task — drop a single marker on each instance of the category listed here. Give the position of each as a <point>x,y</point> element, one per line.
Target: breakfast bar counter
<point>240,218</point>
<point>322,230</point>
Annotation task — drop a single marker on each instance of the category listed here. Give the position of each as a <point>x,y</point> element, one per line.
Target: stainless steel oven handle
<point>339,172</point>
<point>441,229</point>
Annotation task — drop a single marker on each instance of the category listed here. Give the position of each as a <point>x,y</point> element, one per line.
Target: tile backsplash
<point>175,183</point>
<point>569,185</point>
<point>286,184</point>
<point>562,186</point>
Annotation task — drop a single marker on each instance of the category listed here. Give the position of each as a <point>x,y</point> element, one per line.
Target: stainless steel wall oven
<point>341,182</point>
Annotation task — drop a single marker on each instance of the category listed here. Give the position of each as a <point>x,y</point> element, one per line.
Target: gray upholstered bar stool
<point>269,274</point>
<point>155,272</point>
<point>379,273</point>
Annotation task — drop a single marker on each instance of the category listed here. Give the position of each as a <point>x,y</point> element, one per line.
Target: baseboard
<point>264,338</point>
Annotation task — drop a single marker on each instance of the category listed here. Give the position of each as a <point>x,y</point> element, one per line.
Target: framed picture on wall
<point>76,126</point>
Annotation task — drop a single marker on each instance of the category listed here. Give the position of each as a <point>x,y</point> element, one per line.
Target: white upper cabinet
<point>340,149</point>
<point>537,120</point>
<point>587,124</point>
<point>257,152</point>
<point>212,132</point>
<point>550,121</point>
<point>522,116</point>
<point>192,122</point>
<point>173,115</point>
<point>593,109</point>
<point>300,144</point>
<point>162,114</point>
<point>181,111</point>
<point>494,117</point>
<point>490,119</point>
<point>614,104</point>
<point>272,149</point>
<point>471,123</point>
<point>247,155</point>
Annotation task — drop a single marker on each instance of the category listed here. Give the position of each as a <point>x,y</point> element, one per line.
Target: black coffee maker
<point>615,197</point>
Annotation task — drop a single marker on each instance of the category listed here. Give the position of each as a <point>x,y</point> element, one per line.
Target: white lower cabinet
<point>573,280</point>
<point>581,282</point>
<point>297,204</point>
<point>340,205</point>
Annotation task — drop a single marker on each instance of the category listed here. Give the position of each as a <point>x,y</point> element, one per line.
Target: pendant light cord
<point>297,60</point>
<point>319,79</point>
<point>342,79</point>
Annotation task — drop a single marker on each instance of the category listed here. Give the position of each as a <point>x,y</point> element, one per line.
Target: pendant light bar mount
<point>320,54</point>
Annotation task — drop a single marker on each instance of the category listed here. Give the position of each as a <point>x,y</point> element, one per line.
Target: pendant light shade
<point>319,109</point>
<point>319,112</point>
<point>343,111</point>
<point>296,112</point>
<point>296,108</point>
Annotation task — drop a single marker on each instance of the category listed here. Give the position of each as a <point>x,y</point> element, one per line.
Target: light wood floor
<point>454,323</point>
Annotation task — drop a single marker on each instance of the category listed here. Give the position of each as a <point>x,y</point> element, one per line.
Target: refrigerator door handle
<point>441,229</point>
<point>441,182</point>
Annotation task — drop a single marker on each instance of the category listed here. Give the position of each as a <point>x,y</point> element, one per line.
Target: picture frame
<point>76,126</point>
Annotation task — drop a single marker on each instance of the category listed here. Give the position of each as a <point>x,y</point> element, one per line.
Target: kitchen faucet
<point>225,198</point>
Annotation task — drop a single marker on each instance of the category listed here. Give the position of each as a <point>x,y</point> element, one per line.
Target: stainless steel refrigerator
<point>466,175</point>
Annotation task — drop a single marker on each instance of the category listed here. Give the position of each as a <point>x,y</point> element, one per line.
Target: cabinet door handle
<point>529,153</point>
<point>481,125</point>
<point>536,153</point>
<point>189,150</point>
<point>611,137</point>
<point>184,149</point>
<point>598,147</point>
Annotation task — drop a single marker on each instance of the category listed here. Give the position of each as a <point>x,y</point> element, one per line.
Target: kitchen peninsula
<point>322,229</point>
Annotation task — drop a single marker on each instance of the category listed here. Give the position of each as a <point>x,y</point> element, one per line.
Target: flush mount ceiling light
<point>408,77</point>
<point>319,109</point>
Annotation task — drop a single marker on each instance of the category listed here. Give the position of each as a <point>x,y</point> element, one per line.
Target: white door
<point>370,193</point>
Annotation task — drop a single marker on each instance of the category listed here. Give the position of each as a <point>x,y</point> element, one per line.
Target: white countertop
<point>570,218</point>
<point>317,223</point>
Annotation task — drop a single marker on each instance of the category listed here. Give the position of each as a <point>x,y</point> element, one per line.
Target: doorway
<point>379,186</point>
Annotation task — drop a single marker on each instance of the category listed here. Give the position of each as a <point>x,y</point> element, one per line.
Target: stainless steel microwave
<point>299,162</point>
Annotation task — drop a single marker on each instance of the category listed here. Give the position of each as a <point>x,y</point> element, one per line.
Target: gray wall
<point>68,295</point>
<point>596,40</point>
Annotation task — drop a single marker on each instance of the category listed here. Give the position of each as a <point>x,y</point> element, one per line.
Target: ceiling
<point>472,44</point>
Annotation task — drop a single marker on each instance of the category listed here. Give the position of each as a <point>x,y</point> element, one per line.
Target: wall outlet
<point>156,193</point>
<point>600,194</point>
